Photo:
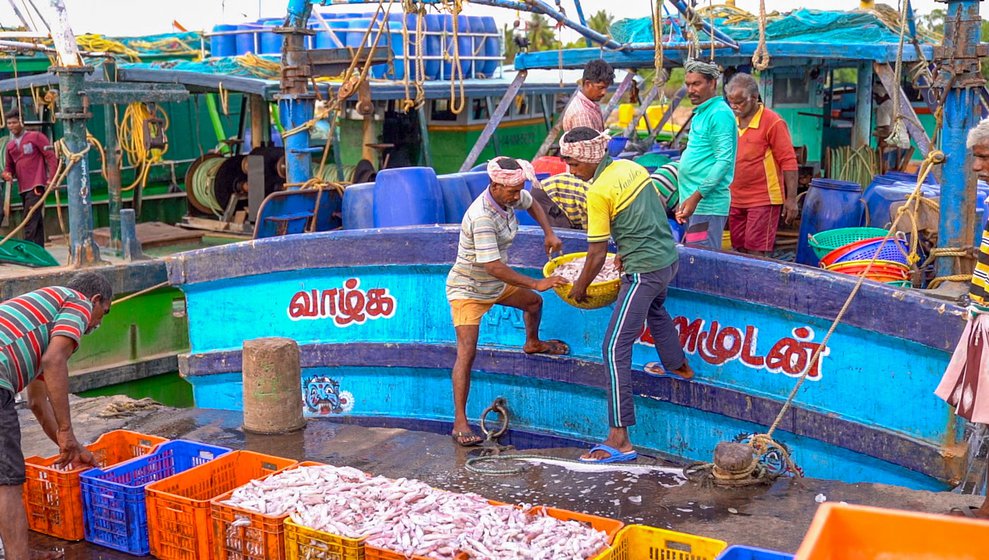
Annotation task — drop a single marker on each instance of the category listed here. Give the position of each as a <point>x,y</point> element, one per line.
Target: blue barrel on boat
<point>477,182</point>
<point>247,39</point>
<point>407,196</point>
<point>355,32</point>
<point>476,45</point>
<point>434,52</point>
<point>398,46</point>
<point>492,47</point>
<point>829,204</point>
<point>880,198</point>
<point>456,197</point>
<point>271,42</point>
<point>223,45</point>
<point>358,206</point>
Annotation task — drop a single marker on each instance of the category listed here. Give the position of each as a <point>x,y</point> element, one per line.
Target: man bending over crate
<point>39,331</point>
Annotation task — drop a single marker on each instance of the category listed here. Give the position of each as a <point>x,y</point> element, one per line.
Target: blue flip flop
<point>614,455</point>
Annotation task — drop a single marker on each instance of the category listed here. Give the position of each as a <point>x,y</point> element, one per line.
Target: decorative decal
<point>323,397</point>
<point>719,344</point>
<point>348,305</point>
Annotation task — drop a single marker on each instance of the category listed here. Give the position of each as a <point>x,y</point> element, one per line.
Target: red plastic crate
<point>53,496</point>
<point>242,534</point>
<point>179,524</point>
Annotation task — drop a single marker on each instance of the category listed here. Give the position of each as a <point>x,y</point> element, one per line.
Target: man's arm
<point>782,145</point>
<point>55,367</point>
<point>552,242</point>
<point>597,253</point>
<point>503,272</point>
<point>8,166</point>
<point>37,401</point>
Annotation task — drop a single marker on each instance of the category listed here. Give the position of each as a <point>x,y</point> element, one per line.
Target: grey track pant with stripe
<point>640,300</point>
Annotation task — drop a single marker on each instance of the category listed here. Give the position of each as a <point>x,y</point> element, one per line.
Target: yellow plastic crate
<point>641,542</point>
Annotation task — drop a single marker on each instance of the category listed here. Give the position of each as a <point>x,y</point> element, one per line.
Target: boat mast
<point>74,112</point>
<point>960,78</point>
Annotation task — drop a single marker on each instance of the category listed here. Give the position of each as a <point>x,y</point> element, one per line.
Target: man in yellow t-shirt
<point>624,204</point>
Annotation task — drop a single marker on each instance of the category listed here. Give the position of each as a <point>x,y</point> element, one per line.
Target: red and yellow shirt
<point>765,152</point>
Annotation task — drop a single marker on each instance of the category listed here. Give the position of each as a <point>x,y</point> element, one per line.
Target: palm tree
<point>601,22</point>
<point>542,36</point>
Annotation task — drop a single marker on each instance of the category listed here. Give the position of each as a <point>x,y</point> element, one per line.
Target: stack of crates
<point>53,496</point>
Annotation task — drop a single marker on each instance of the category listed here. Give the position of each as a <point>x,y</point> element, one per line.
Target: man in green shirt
<point>707,166</point>
<point>623,203</point>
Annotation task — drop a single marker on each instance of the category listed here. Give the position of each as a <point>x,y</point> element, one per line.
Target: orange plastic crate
<point>179,526</point>
<point>847,532</point>
<point>636,542</point>
<point>303,543</point>
<point>242,534</point>
<point>53,497</point>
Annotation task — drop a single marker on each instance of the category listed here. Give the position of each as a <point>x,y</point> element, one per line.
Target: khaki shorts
<point>468,312</point>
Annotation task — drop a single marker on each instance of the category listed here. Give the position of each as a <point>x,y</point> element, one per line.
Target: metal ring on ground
<point>499,407</point>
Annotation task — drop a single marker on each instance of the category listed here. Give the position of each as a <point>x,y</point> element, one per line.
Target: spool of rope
<point>199,180</point>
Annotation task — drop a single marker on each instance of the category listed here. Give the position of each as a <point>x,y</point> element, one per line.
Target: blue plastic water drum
<point>477,45</point>
<point>434,27</point>
<point>355,32</point>
<point>223,45</point>
<point>879,199</point>
<point>465,44</point>
<point>477,182</point>
<point>397,44</point>
<point>492,47</point>
<point>829,204</point>
<point>617,145</point>
<point>456,197</point>
<point>247,39</point>
<point>270,42</point>
<point>407,196</point>
<point>358,206</point>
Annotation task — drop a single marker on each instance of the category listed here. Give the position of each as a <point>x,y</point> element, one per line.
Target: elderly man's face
<point>506,195</point>
<point>741,103</point>
<point>980,160</point>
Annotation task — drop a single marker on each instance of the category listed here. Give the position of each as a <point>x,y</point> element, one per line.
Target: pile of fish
<point>571,270</point>
<point>411,518</point>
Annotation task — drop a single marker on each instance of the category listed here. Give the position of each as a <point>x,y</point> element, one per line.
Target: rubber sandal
<point>614,455</point>
<point>967,512</point>
<point>657,369</point>
<point>466,439</point>
<point>556,348</point>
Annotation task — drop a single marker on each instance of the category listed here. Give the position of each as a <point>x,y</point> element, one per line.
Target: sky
<point>145,17</point>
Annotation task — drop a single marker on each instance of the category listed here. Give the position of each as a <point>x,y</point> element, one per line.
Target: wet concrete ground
<point>773,517</point>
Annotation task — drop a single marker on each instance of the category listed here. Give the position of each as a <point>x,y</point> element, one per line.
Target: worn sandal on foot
<point>466,439</point>
<point>614,455</point>
<point>657,369</point>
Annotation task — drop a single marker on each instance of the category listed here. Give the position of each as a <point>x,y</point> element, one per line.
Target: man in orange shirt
<point>765,163</point>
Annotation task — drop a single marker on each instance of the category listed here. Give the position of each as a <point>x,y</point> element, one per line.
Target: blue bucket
<point>617,145</point>
<point>407,196</point>
<point>358,206</point>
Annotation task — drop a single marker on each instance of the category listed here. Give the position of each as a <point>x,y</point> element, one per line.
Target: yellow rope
<point>760,58</point>
<point>132,139</point>
<point>141,292</point>
<point>657,32</point>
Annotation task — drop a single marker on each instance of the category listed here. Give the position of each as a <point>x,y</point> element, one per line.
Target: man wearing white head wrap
<point>480,277</point>
<point>624,204</point>
<point>707,166</point>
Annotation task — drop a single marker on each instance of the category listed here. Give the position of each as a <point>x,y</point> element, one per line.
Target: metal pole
<point>958,60</point>
<point>688,13</point>
<point>494,121</point>
<point>863,106</point>
<point>580,16</point>
<point>296,104</point>
<point>641,110</point>
<point>677,98</point>
<point>113,157</point>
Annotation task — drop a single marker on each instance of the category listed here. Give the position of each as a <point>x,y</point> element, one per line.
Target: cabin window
<point>441,110</point>
<point>479,109</point>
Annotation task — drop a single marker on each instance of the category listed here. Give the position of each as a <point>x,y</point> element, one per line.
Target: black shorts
<point>11,456</point>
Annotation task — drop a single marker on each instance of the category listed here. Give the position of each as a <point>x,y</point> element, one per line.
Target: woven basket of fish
<point>179,526</point>
<point>53,496</point>
<point>114,501</point>
<point>249,521</point>
<point>641,541</point>
<point>499,532</point>
<point>603,291</point>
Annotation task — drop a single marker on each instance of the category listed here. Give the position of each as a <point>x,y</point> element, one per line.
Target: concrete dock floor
<point>773,517</point>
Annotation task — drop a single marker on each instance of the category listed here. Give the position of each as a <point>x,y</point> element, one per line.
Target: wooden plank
<point>153,234</point>
<point>494,120</point>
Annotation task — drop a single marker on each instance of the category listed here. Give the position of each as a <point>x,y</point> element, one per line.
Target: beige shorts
<point>468,312</point>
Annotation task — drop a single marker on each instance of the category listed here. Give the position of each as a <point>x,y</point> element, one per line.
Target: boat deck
<point>774,517</point>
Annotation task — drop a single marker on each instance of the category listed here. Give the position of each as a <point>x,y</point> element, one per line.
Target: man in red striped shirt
<point>39,332</point>
<point>765,183</point>
<point>584,110</point>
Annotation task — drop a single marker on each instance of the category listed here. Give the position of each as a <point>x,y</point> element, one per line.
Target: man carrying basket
<point>623,203</point>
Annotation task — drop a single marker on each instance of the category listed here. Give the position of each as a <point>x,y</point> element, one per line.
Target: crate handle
<point>208,455</point>
<point>174,510</point>
<point>268,467</point>
<point>108,496</point>
<point>679,546</point>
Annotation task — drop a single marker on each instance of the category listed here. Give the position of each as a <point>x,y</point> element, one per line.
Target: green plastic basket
<point>901,283</point>
<point>824,242</point>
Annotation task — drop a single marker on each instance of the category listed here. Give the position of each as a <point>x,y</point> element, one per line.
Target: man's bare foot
<point>656,368</point>
<point>551,347</point>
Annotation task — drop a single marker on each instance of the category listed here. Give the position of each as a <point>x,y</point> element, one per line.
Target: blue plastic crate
<point>113,499</point>
<point>738,552</point>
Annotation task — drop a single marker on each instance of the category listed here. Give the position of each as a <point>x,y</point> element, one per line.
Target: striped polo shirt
<point>486,233</point>
<point>570,194</point>
<point>27,325</point>
<point>765,152</point>
<point>665,179</point>
<point>979,292</point>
